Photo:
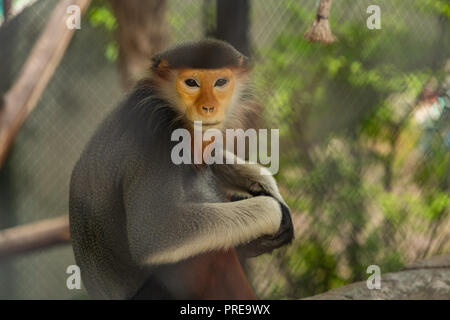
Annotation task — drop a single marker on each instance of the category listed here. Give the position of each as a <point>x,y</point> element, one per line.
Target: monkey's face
<point>205,95</point>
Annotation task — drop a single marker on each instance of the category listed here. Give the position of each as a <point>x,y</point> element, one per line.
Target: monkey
<point>134,213</point>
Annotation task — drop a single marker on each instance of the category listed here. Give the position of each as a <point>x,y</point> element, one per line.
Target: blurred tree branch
<point>38,69</point>
<point>34,236</point>
<point>6,9</point>
<point>142,32</point>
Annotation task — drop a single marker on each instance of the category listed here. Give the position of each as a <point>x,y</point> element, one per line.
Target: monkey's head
<point>202,80</point>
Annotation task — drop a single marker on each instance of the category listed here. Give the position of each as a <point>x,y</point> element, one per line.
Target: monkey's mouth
<point>208,124</point>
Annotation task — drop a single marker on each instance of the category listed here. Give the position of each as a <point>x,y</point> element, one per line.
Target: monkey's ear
<point>243,62</point>
<point>160,66</point>
<point>159,63</point>
<point>243,67</point>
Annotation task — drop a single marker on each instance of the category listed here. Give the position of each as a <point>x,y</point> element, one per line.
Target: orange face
<point>205,94</point>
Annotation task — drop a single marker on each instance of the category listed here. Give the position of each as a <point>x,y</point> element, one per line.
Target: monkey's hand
<point>257,181</point>
<point>267,243</point>
<point>251,178</point>
<point>264,185</point>
<point>267,186</point>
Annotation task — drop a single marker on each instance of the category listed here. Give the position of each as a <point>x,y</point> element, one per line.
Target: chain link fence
<point>364,137</point>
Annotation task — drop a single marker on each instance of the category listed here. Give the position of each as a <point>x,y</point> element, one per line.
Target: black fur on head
<point>203,54</point>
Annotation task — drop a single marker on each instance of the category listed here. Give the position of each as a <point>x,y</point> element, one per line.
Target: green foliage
<point>101,16</point>
<point>368,176</point>
<point>315,272</point>
<point>112,51</point>
<point>436,6</point>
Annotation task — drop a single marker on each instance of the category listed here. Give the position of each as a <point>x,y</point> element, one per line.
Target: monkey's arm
<point>173,232</point>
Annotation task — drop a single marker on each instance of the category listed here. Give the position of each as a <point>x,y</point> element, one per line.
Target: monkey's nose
<point>207,109</point>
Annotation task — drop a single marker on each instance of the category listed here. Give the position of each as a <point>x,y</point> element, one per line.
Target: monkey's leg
<point>211,275</point>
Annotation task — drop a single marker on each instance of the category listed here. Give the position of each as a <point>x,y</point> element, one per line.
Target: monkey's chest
<point>203,186</point>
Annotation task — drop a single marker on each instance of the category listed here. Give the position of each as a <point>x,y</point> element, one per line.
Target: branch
<point>45,56</point>
<point>34,236</point>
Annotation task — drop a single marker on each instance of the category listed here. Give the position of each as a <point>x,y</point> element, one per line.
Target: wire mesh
<point>364,137</point>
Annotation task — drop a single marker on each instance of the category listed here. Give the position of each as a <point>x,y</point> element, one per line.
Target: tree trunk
<point>142,31</point>
<point>233,23</point>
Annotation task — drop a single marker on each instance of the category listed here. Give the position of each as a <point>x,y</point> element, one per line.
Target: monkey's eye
<point>191,83</point>
<point>220,82</point>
